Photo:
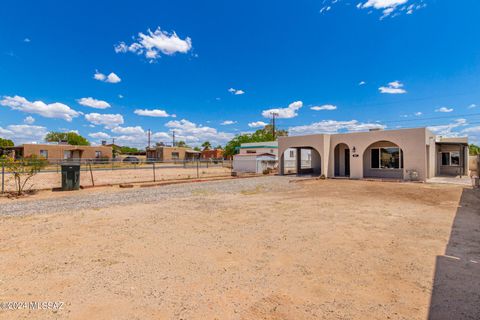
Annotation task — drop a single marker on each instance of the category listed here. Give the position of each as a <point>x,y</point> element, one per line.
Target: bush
<point>24,169</point>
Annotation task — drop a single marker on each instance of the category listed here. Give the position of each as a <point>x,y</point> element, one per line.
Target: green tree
<point>6,143</point>
<point>182,144</point>
<point>72,138</point>
<point>197,149</point>
<point>206,145</point>
<point>474,150</point>
<point>219,147</point>
<point>261,135</point>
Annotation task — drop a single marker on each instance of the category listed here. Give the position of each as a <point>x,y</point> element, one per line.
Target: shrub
<point>23,170</point>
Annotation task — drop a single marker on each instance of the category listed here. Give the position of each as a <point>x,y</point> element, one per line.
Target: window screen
<point>375,158</point>
<point>445,158</point>
<point>455,158</point>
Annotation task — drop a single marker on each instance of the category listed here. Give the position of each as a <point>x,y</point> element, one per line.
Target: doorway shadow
<point>456,287</point>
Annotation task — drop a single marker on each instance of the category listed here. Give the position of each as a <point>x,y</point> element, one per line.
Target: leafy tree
<point>6,143</point>
<point>182,144</point>
<point>206,145</point>
<point>261,135</point>
<point>23,170</point>
<point>219,147</point>
<point>474,150</point>
<point>72,138</point>
<point>197,149</point>
<point>126,149</point>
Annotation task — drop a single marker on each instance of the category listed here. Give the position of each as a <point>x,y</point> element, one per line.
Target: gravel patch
<point>104,199</point>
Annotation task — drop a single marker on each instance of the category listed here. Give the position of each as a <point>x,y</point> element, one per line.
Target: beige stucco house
<point>405,154</point>
<point>55,152</point>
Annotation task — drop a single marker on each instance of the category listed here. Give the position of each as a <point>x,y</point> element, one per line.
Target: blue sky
<point>213,69</point>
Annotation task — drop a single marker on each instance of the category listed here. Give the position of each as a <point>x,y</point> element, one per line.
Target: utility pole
<point>149,135</point>
<point>173,138</point>
<point>274,114</point>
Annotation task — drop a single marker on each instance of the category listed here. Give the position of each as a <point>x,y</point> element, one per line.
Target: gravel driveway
<point>103,199</point>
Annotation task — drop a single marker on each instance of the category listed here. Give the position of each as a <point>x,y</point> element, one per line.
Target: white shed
<point>254,163</point>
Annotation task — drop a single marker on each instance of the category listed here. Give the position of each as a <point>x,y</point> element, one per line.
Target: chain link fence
<point>97,172</point>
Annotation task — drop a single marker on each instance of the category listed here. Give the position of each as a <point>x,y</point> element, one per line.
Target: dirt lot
<point>46,180</point>
<point>262,249</point>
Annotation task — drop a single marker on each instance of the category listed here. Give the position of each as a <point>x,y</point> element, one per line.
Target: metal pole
<point>3,176</point>
<point>154,177</point>
<point>198,176</point>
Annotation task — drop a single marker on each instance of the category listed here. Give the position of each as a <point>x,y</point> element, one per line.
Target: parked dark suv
<point>130,159</point>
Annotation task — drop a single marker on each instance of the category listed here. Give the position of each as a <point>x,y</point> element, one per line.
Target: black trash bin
<point>70,176</point>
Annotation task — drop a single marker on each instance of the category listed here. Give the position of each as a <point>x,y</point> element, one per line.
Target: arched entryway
<point>301,161</point>
<point>383,159</point>
<point>341,155</point>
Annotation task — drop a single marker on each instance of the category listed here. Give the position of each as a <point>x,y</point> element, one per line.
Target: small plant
<point>23,170</point>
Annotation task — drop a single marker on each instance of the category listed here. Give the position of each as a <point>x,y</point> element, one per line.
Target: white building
<point>257,156</point>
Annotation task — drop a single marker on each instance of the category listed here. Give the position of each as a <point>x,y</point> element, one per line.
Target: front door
<point>347,162</point>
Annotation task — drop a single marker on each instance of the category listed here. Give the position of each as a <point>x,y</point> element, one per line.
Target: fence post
<point>3,176</point>
<point>198,176</point>
<point>154,177</point>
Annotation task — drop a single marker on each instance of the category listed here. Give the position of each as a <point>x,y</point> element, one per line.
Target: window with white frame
<point>44,154</point>
<point>67,154</point>
<point>451,158</point>
<point>292,153</point>
<point>98,154</point>
<point>386,158</point>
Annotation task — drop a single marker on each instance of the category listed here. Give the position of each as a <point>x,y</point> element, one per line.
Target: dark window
<point>390,158</point>
<point>455,158</point>
<point>251,151</point>
<point>175,155</point>
<point>445,158</point>
<point>375,158</point>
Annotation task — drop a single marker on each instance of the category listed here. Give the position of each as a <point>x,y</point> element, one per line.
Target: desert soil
<point>259,248</point>
<point>46,180</point>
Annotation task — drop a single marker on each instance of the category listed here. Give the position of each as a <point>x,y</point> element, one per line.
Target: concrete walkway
<point>465,181</point>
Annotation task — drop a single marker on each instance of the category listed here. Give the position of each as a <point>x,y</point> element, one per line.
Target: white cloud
<point>93,103</point>
<point>137,130</point>
<point>195,134</point>
<point>324,107</point>
<point>23,133</point>
<point>111,78</point>
<point>27,40</point>
<point>107,120</point>
<point>395,87</point>
<point>418,113</point>
<point>120,96</point>
<point>52,110</point>
<point>389,7</point>
<point>284,113</point>
<point>333,126</point>
<point>447,130</point>
<point>362,83</point>
<point>257,124</point>
<point>228,122</point>
<point>444,109</point>
<point>155,43</point>
<point>99,135</point>
<point>153,113</point>
<point>472,130</point>
<point>473,105</point>
<point>29,120</point>
<point>236,92</point>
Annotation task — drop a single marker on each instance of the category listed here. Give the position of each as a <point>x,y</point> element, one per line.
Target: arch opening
<point>383,159</point>
<point>301,161</point>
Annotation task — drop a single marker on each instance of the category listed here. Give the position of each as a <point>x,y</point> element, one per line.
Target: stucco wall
<point>319,142</point>
<point>56,151</point>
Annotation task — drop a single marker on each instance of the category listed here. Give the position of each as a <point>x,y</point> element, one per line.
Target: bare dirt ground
<point>46,180</point>
<point>259,248</point>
